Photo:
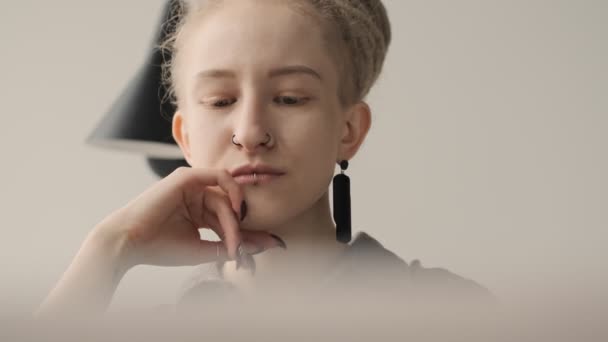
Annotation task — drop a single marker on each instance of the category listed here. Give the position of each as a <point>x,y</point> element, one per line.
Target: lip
<point>258,169</point>
<point>256,178</point>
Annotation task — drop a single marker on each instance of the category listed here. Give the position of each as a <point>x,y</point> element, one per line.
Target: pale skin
<point>256,94</point>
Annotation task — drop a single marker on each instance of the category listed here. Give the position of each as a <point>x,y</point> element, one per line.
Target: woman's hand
<point>161,225</point>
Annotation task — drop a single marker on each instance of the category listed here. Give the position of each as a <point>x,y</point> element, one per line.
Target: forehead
<point>257,34</point>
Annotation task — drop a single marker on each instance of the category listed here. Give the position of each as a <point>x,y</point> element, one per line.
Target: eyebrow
<point>294,69</point>
<point>283,71</point>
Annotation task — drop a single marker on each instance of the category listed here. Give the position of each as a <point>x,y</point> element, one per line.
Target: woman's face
<point>254,67</point>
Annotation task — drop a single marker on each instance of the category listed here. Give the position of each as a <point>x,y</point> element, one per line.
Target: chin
<point>263,219</point>
<point>265,212</point>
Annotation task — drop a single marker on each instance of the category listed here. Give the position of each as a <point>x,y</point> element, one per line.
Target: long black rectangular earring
<point>341,189</point>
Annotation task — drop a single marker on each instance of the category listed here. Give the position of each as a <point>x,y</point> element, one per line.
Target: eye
<point>290,100</point>
<point>223,103</point>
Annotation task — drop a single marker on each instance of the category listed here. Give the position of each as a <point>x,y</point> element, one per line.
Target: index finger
<point>223,179</point>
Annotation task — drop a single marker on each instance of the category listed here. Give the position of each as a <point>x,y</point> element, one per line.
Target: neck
<point>312,250</point>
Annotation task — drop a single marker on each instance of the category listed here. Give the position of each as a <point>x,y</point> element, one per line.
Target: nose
<point>251,130</point>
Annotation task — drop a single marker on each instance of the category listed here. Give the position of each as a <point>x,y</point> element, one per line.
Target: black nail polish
<point>281,242</point>
<point>243,210</point>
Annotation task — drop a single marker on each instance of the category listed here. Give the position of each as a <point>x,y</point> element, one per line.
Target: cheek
<point>315,133</point>
<point>206,143</point>
<point>315,147</point>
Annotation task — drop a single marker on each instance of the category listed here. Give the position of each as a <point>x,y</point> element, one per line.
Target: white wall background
<point>488,154</point>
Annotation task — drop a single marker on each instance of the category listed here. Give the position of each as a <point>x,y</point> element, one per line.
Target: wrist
<point>105,239</point>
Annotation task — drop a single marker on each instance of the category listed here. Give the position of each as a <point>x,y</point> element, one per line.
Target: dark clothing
<point>367,271</point>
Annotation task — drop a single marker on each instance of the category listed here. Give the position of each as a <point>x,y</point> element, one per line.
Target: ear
<point>355,127</point>
<point>180,134</point>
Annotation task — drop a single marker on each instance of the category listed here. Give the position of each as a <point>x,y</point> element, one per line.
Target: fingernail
<point>249,263</point>
<point>243,210</point>
<point>253,249</point>
<point>239,255</point>
<point>281,242</point>
<point>244,259</point>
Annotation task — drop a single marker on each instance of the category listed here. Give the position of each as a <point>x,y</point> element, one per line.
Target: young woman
<point>270,97</point>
